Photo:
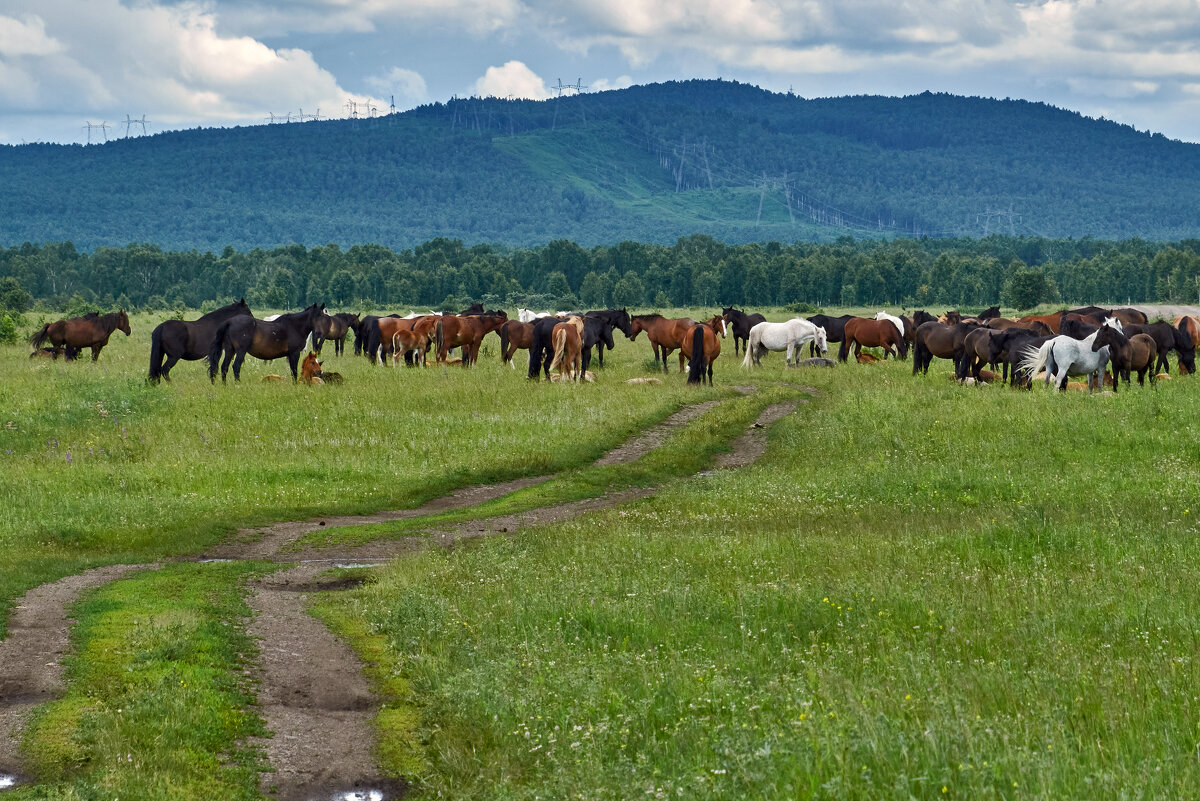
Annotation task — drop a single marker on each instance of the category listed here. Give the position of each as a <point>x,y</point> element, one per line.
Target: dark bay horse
<point>834,328</point>
<point>334,327</point>
<point>286,335</point>
<point>514,336</point>
<point>739,324</point>
<point>702,346</point>
<point>1009,345</point>
<point>860,332</point>
<point>1168,338</point>
<point>1127,354</point>
<point>89,331</point>
<point>173,340</point>
<point>665,334</point>
<point>617,319</point>
<point>941,340</point>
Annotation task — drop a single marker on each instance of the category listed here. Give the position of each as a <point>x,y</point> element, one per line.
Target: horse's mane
<point>655,316</point>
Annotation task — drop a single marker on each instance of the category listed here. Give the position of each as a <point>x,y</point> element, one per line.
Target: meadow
<point>922,590</point>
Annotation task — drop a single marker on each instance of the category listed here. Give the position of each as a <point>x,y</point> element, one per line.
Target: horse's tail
<point>844,350</point>
<point>504,344</point>
<point>698,366</point>
<point>40,337</point>
<point>1033,359</point>
<point>439,337</point>
<point>751,344</point>
<point>214,351</point>
<point>396,348</point>
<point>156,354</point>
<point>560,348</point>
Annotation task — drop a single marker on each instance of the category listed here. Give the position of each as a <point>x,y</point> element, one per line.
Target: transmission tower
<point>91,126</point>
<point>130,123</point>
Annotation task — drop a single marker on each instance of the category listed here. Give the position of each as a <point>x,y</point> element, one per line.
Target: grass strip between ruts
<point>158,705</point>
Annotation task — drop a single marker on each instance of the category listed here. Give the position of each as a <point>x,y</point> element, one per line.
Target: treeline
<point>695,271</point>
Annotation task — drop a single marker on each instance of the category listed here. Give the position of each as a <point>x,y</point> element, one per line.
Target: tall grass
<point>924,590</point>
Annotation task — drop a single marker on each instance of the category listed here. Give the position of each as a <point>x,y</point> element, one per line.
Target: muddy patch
<point>637,447</point>
<point>31,670</point>
<point>312,695</point>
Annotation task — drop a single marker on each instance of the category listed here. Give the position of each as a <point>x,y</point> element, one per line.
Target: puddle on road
<point>358,795</point>
<point>8,782</point>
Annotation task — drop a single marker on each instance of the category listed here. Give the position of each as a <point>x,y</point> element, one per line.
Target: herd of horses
<point>1078,342</point>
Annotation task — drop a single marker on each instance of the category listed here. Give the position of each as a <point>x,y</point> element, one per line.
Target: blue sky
<point>64,63</point>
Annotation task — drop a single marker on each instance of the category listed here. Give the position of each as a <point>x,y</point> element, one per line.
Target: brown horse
<point>665,334</point>
<point>567,339</point>
<point>702,345</point>
<point>1051,321</point>
<point>861,332</point>
<point>514,336</point>
<point>938,339</point>
<point>1138,352</point>
<point>1190,326</point>
<point>90,331</point>
<point>466,332</point>
<point>310,369</point>
<point>402,336</point>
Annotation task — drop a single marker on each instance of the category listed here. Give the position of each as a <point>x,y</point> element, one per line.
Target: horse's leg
<point>96,352</point>
<point>229,351</point>
<point>294,362</point>
<point>165,372</point>
<point>681,360</point>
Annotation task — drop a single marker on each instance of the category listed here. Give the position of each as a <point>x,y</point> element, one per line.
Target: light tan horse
<point>568,348</point>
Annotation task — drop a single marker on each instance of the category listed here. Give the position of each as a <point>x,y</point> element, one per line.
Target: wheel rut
<point>313,694</point>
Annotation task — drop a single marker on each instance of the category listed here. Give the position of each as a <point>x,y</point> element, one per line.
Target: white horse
<point>1065,356</point>
<point>896,321</point>
<point>789,336</point>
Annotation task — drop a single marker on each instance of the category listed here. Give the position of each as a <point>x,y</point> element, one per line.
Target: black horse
<point>740,324</point>
<point>1168,338</point>
<point>286,335</point>
<point>173,340</point>
<point>541,351</point>
<point>617,319</point>
<point>835,329</point>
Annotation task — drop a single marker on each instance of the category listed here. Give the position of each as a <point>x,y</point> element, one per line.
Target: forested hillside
<point>650,163</point>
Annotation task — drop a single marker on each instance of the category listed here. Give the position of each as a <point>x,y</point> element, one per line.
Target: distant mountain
<point>648,163</point>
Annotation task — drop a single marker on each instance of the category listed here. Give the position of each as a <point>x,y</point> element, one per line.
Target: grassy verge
<point>923,590</point>
<point>687,451</point>
<point>157,705</point>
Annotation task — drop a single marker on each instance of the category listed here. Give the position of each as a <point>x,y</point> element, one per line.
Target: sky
<point>65,64</point>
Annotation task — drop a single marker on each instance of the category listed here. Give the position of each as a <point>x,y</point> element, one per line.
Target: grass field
<point>922,590</point>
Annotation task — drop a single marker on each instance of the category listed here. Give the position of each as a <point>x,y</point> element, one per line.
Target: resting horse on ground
<point>740,324</point>
<point>789,336</point>
<point>285,336</point>
<point>90,331</point>
<point>173,340</point>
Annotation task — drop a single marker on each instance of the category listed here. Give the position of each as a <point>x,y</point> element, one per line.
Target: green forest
<point>694,271</point>
<point>648,164</point>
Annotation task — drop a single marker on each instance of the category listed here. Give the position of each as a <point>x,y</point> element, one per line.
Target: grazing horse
<point>740,323</point>
<point>568,348</point>
<point>89,331</point>
<point>1051,321</point>
<point>1133,353</point>
<point>834,329</point>
<point>514,335</point>
<point>1169,338</point>
<point>977,351</point>
<point>284,336</point>
<point>173,340</point>
<point>1064,356</point>
<point>859,332</point>
<point>665,334</point>
<point>941,340</point>
<point>1008,345</point>
<point>614,319</point>
<point>789,336</point>
<point>334,327</point>
<point>1190,326</point>
<point>466,332</point>
<point>703,345</point>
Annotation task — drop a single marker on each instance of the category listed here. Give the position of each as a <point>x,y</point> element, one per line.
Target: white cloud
<point>25,37</point>
<point>514,79</point>
<point>267,18</point>
<point>604,84</point>
<point>409,85</point>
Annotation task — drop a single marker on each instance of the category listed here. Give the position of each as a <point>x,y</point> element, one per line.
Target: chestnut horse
<point>568,348</point>
<point>403,335</point>
<point>665,334</point>
<point>1051,321</point>
<point>514,335</point>
<point>1190,326</point>
<point>90,331</point>
<point>703,345</point>
<point>466,332</point>
<point>861,332</point>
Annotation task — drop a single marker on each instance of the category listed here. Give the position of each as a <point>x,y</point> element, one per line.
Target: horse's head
<point>822,340</point>
<point>310,367</point>
<point>1113,322</point>
<point>623,323</point>
<point>123,322</point>
<point>636,326</point>
<point>717,324</point>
